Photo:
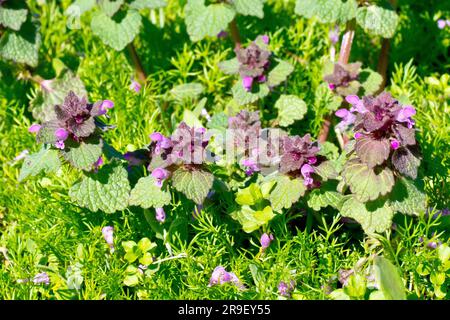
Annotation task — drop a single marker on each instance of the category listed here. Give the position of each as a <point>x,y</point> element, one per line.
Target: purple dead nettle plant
<point>344,78</point>
<point>265,240</point>
<point>108,235</point>
<point>254,62</point>
<point>285,288</point>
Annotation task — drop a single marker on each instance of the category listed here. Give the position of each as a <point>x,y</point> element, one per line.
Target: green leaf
<point>356,286</point>
<point>375,216</point>
<point>290,108</point>
<point>83,155</point>
<point>250,7</point>
<point>252,220</point>
<point>372,152</point>
<point>219,121</point>
<point>243,97</point>
<point>109,7</point>
<point>187,91</point>
<point>151,4</point>
<point>325,196</point>
<point>444,253</point>
<point>78,7</point>
<point>229,66</point>
<point>408,197</point>
<point>194,184</point>
<point>365,183</point>
<point>191,119</point>
<point>389,280</point>
<point>370,81</point>
<point>202,21</point>
<point>22,46</point>
<point>339,294</point>
<point>107,191</point>
<point>327,170</point>
<point>45,160</point>
<point>326,11</point>
<point>347,11</point>
<point>377,295</point>
<point>286,192</point>
<point>405,162</point>
<point>146,245</point>
<point>114,34</point>
<point>147,195</point>
<point>128,245</point>
<point>280,73</point>
<point>146,259</point>
<point>13,18</point>
<point>43,105</point>
<point>377,20</point>
<point>249,196</point>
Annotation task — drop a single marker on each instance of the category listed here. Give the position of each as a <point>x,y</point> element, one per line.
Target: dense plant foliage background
<point>56,243</point>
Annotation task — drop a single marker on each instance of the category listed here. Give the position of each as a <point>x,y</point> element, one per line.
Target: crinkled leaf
<point>324,98</point>
<point>203,21</point>
<point>365,183</point>
<point>329,150</point>
<point>219,121</point>
<point>83,155</point>
<point>408,197</point>
<point>242,97</point>
<point>377,20</point>
<point>249,196</point>
<point>13,18</point>
<point>325,196</point>
<point>151,4</point>
<point>327,170</point>
<point>372,151</point>
<point>109,7</point>
<point>347,11</point>
<point>43,105</point>
<point>147,195</point>
<point>107,190</point>
<point>250,7</point>
<point>114,34</point>
<point>405,162</point>
<point>388,278</point>
<point>374,216</point>
<point>78,7</point>
<point>290,108</point>
<point>280,73</point>
<point>46,133</point>
<point>22,46</point>
<point>370,81</point>
<point>194,184</point>
<point>187,91</point>
<point>326,11</point>
<point>229,66</point>
<point>191,119</point>
<point>45,160</point>
<point>286,192</point>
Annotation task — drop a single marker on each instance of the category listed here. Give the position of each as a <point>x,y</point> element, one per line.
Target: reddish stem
<point>383,62</point>
<point>140,73</point>
<point>234,33</point>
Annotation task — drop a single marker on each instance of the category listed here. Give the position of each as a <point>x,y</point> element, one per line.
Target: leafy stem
<point>140,73</point>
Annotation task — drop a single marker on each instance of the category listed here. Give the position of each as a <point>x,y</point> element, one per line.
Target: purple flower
<point>222,34</point>
<point>160,215</point>
<point>262,78</point>
<point>266,240</point>
<point>61,134</point>
<point>347,117</point>
<point>60,144</point>
<point>331,86</point>
<point>98,163</point>
<point>333,35</point>
<point>106,104</point>
<point>46,85</point>
<point>136,86</point>
<point>395,144</point>
<point>265,39</point>
<point>247,83</point>
<point>306,171</point>
<point>108,233</point>
<point>251,165</point>
<point>285,289</point>
<point>405,114</point>
<point>41,278</point>
<point>160,175</point>
<point>221,276</point>
<point>357,135</point>
<point>34,128</point>
<point>441,23</point>
<point>432,245</point>
<point>160,142</point>
<point>357,104</point>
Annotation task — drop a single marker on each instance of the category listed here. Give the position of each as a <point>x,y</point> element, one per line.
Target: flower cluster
<point>441,23</point>
<point>299,154</point>
<point>254,62</point>
<point>344,79</point>
<point>76,120</point>
<point>381,125</point>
